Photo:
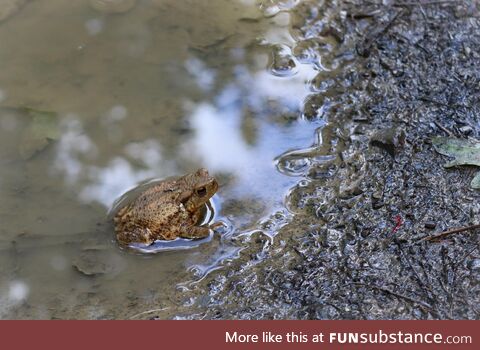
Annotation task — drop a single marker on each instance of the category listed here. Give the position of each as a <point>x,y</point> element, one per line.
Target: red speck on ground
<point>398,223</point>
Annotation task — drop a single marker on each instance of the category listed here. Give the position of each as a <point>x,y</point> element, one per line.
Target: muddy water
<point>94,103</point>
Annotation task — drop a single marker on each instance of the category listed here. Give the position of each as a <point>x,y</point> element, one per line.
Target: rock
<point>90,263</point>
<point>466,130</point>
<point>351,190</point>
<point>430,225</point>
<point>389,139</point>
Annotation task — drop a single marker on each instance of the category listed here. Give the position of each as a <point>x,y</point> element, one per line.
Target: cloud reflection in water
<point>220,142</point>
<point>223,140</point>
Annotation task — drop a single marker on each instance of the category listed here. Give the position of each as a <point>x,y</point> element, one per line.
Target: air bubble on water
<point>18,291</point>
<point>94,26</point>
<point>303,183</point>
<point>304,53</point>
<point>272,7</point>
<point>295,162</point>
<point>270,11</point>
<point>117,113</point>
<point>293,167</point>
<point>282,62</point>
<point>298,162</point>
<point>322,83</point>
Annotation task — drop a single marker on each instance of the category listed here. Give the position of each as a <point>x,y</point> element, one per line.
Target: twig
<point>363,50</point>
<point>465,256</point>
<point>361,15</point>
<point>426,290</point>
<point>444,2</point>
<point>148,312</point>
<point>450,232</point>
<point>398,295</point>
<point>440,126</point>
<point>427,99</point>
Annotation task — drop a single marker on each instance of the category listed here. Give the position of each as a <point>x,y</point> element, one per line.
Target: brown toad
<point>170,209</point>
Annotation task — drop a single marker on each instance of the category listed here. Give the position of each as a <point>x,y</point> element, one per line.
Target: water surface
<point>93,104</point>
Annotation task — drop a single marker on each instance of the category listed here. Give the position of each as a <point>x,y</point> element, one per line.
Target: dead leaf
<point>464,152</point>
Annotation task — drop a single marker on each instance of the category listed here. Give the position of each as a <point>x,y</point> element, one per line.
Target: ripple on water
<point>282,62</point>
<point>271,8</point>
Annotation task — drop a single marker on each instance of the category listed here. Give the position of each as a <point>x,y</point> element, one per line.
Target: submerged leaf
<point>43,129</point>
<point>91,263</point>
<point>465,152</point>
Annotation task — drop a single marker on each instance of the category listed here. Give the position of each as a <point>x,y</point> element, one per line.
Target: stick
<point>443,128</point>
<point>444,2</point>
<point>452,231</point>
<point>372,37</point>
<point>398,295</point>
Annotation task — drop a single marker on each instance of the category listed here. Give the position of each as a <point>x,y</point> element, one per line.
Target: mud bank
<point>400,74</point>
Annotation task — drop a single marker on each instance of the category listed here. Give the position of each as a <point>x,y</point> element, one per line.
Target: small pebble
<point>466,130</point>
<point>430,225</point>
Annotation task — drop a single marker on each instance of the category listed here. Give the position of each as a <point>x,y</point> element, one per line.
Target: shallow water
<point>156,91</point>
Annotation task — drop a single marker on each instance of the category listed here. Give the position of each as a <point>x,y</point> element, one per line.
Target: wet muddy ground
<point>355,247</point>
<point>335,183</point>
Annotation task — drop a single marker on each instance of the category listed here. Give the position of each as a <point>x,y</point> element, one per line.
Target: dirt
<point>401,73</point>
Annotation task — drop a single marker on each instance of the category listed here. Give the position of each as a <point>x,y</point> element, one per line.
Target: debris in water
<point>91,263</point>
<point>42,129</point>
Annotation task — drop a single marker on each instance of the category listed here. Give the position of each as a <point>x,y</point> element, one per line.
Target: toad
<point>169,209</point>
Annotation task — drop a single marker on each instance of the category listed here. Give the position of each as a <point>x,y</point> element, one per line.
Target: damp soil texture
<point>357,246</point>
<point>317,118</point>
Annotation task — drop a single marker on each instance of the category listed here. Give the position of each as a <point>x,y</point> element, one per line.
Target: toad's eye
<point>201,192</point>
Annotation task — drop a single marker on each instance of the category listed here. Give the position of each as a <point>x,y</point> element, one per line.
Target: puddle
<point>157,89</point>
